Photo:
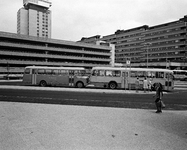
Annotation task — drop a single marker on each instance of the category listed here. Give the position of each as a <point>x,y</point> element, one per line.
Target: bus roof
<point>46,67</point>
<point>133,69</point>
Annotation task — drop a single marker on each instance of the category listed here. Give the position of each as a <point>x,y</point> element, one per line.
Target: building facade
<point>18,51</point>
<point>34,18</point>
<point>160,46</point>
<point>166,45</point>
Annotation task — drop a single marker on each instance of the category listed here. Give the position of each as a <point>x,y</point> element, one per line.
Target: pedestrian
<point>158,96</point>
<point>145,84</point>
<point>137,84</point>
<point>150,85</point>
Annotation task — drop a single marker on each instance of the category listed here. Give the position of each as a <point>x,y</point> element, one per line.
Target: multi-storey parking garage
<point>18,51</point>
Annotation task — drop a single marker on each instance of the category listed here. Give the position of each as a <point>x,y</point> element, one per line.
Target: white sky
<point>74,19</point>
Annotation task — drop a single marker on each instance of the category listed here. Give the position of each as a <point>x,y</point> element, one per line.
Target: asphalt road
<point>35,124</point>
<point>176,100</point>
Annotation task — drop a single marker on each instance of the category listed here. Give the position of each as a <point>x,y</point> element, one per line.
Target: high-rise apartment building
<point>34,19</point>
<point>160,46</point>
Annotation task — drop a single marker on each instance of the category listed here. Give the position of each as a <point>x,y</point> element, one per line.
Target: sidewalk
<point>75,89</point>
<point>30,126</point>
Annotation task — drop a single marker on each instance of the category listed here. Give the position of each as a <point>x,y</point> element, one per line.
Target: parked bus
<point>55,76</point>
<point>11,76</point>
<point>111,77</point>
<point>11,73</point>
<point>180,74</point>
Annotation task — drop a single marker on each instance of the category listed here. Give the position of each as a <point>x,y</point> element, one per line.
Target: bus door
<point>167,82</point>
<point>53,80</point>
<point>27,77</point>
<point>71,78</point>
<point>124,80</point>
<point>33,78</point>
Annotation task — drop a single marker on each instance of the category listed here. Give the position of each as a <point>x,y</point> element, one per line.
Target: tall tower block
<point>34,19</point>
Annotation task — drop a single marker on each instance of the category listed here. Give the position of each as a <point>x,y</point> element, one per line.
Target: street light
<point>147,44</point>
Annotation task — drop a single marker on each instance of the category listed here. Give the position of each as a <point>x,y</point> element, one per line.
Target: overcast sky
<point>74,19</point>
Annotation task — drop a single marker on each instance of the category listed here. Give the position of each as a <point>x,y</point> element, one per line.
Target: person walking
<point>150,85</point>
<point>158,96</point>
<point>137,84</point>
<point>145,84</point>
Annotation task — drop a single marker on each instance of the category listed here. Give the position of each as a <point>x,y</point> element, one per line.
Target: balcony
<point>56,49</point>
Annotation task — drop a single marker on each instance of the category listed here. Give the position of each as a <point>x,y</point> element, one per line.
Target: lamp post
<point>8,68</point>
<point>147,44</point>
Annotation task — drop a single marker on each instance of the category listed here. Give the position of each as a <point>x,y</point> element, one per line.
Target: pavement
<point>31,126</point>
<point>27,126</point>
<point>74,89</point>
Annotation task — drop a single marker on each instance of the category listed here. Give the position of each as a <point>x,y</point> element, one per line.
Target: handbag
<point>162,104</point>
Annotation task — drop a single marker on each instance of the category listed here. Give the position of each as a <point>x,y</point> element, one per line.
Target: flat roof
<point>52,41</point>
<point>46,67</point>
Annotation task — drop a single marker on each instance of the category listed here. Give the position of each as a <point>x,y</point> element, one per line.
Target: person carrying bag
<point>159,94</point>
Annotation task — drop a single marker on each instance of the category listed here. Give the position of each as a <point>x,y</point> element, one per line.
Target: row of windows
<point>180,72</point>
<point>165,31</point>
<point>158,43</point>
<point>117,73</point>
<point>109,73</point>
<point>55,72</point>
<point>166,37</point>
<point>53,54</point>
<point>72,49</point>
<point>147,74</point>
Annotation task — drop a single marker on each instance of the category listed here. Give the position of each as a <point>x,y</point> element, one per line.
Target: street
<point>92,97</point>
<point>70,118</point>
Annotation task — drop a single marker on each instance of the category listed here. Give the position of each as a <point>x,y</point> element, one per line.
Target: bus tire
<point>112,85</point>
<point>43,83</point>
<point>79,84</point>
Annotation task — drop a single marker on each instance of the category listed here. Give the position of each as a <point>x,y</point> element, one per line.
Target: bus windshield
<point>180,74</point>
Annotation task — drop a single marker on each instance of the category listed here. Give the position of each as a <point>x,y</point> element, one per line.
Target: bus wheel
<point>79,85</point>
<point>112,85</point>
<point>43,83</point>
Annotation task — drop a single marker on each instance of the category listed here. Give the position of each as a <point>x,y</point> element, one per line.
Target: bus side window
<point>159,74</point>
<point>149,74</point>
<point>27,71</point>
<point>153,74</point>
<point>94,73</point>
<point>41,71</point>
<point>167,75</point>
<point>82,72</point>
<point>55,72</point>
<point>76,72</point>
<point>48,72</point>
<point>109,73</point>
<point>140,74</point>
<point>144,74</point>
<point>125,74</point>
<point>116,73</point>
<point>63,72</point>
<point>71,72</point>
<point>79,72</point>
<point>34,71</point>
<point>134,74</point>
<point>101,73</point>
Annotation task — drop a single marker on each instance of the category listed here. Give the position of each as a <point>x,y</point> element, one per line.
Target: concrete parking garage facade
<point>18,51</point>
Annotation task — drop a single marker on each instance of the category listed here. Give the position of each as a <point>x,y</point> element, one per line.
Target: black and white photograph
<point>93,75</point>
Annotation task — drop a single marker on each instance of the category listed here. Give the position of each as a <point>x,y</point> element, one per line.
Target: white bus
<point>112,77</point>
<point>55,76</point>
<point>180,74</point>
